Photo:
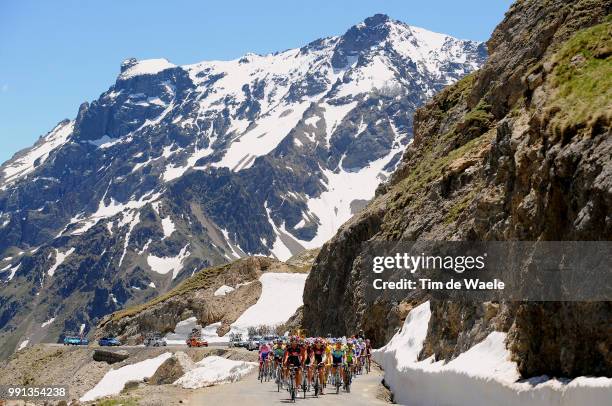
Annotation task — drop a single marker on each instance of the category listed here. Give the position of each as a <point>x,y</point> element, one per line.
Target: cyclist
<point>307,356</point>
<point>293,358</point>
<point>328,358</point>
<point>264,350</point>
<point>337,359</point>
<point>319,352</point>
<point>357,351</point>
<point>368,351</point>
<point>279,351</point>
<point>350,355</point>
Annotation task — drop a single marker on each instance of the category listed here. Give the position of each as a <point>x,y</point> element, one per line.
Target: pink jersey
<point>264,350</point>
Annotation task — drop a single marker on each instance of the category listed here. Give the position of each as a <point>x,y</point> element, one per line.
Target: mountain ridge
<point>177,168</point>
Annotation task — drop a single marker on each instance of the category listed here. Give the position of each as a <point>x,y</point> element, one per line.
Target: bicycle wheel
<point>349,377</point>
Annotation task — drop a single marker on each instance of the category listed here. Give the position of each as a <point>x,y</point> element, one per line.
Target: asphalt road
<point>171,346</point>
<point>249,391</point>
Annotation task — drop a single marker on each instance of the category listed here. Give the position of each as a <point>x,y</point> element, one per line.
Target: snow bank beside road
<point>483,375</point>
<point>214,370</point>
<point>113,382</point>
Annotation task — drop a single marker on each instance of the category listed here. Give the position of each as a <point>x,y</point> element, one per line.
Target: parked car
<point>235,340</point>
<point>253,343</point>
<point>75,340</point>
<point>241,343</point>
<point>271,338</point>
<point>196,342</point>
<point>155,340</point>
<point>109,342</point>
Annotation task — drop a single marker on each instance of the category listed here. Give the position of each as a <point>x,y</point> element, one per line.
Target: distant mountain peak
<point>376,19</point>
<point>175,168</point>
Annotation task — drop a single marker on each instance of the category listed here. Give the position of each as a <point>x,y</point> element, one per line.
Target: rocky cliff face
<point>176,168</point>
<point>520,150</point>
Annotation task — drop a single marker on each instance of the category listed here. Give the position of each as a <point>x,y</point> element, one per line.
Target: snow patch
<point>104,142</point>
<point>163,265</point>
<point>281,295</point>
<point>12,271</point>
<point>279,249</point>
<point>333,207</point>
<point>168,227</point>
<point>262,138</point>
<point>215,370</point>
<point>106,211</point>
<point>113,382</point>
<point>147,67</point>
<point>39,153</point>
<point>223,290</point>
<point>48,322</point>
<point>333,115</point>
<point>22,345</point>
<point>60,257</point>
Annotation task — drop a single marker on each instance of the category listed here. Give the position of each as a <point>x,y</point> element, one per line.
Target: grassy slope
<point>583,77</point>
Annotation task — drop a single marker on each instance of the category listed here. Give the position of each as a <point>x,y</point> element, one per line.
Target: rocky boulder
<point>172,369</point>
<point>110,357</point>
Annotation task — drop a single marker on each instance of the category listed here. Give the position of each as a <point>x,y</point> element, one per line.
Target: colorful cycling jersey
<point>319,351</point>
<point>293,351</point>
<point>350,353</point>
<point>293,355</point>
<point>279,351</point>
<point>337,355</point>
<point>264,350</point>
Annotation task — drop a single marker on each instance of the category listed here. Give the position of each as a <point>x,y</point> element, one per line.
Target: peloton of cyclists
<point>325,357</point>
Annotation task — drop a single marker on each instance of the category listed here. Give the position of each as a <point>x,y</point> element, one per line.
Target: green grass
<point>584,88</point>
<point>452,95</point>
<point>477,121</point>
<point>434,162</point>
<point>459,207</point>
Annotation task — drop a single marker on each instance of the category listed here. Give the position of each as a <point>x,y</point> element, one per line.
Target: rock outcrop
<point>520,150</point>
<point>110,357</point>
<point>172,369</point>
<point>196,297</point>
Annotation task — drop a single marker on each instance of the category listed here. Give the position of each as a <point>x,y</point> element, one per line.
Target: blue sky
<point>54,55</point>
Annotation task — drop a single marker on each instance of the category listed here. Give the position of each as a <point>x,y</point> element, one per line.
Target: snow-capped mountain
<point>178,167</point>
